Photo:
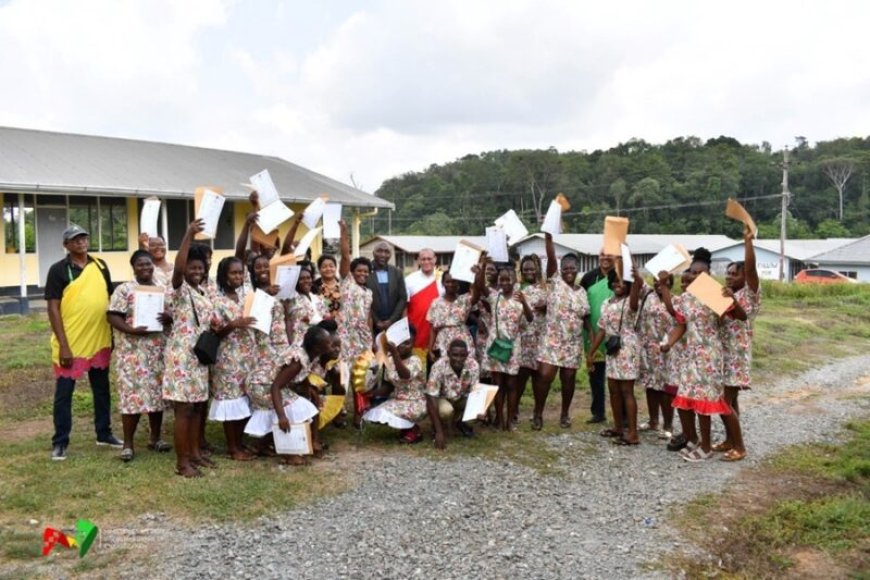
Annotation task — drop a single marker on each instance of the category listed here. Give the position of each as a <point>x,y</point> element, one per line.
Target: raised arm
<point>194,228</point>
<point>750,270</point>
<point>344,268</point>
<point>662,283</point>
<point>478,288</point>
<point>242,242</point>
<point>290,241</point>
<point>552,266</point>
<point>634,293</point>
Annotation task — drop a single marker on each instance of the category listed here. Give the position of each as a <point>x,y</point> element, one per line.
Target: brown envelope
<point>285,260</point>
<point>615,232</point>
<point>735,211</point>
<point>270,240</point>
<point>563,201</point>
<point>706,289</point>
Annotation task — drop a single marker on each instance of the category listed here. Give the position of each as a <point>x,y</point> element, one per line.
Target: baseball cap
<point>74,231</point>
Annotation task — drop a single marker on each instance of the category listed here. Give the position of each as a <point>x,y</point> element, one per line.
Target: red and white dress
<point>422,291</point>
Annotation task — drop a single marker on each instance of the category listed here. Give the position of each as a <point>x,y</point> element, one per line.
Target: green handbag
<point>501,349</point>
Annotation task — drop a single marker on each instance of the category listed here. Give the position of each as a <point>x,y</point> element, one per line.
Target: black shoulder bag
<point>614,343</point>
<point>206,347</point>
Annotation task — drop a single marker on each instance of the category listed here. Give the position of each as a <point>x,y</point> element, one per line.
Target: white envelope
<point>553,220</point>
<point>331,217</point>
<point>272,216</point>
<point>496,244</point>
<point>512,226</point>
<point>399,332</point>
<point>671,259</point>
<point>266,191</point>
<point>149,217</point>
<point>286,277</point>
<point>313,212</point>
<point>465,257</point>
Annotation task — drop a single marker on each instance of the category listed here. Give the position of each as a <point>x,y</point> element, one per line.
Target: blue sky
<point>375,89</point>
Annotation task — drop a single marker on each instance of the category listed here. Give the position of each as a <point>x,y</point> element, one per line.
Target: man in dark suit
<point>387,283</point>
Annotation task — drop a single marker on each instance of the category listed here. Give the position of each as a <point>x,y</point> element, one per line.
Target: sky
<point>364,91</point>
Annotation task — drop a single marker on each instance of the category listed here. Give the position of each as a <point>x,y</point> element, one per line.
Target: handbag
<point>614,343</point>
<point>501,349</point>
<point>206,347</point>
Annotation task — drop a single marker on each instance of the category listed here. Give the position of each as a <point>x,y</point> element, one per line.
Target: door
<point>50,224</point>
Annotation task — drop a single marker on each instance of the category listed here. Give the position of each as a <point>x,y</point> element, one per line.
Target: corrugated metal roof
<point>49,162</point>
<point>590,244</point>
<point>801,250</point>
<point>413,244</point>
<point>854,252</point>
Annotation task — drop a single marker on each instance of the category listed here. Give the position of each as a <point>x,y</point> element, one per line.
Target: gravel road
<point>603,515</point>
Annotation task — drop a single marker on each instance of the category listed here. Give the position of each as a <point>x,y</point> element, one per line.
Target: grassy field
<point>799,327</point>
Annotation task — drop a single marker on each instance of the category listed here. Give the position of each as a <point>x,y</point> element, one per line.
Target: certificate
<point>512,226</point>
<point>286,277</point>
<point>399,331</point>
<point>706,289</point>
<point>615,232</point>
<point>208,205</point>
<point>259,305</point>
<point>272,212</point>
<point>673,258</point>
<point>305,243</point>
<point>147,304</point>
<point>148,218</point>
<point>313,212</point>
<point>331,217</point>
<point>479,400</point>
<point>267,194</point>
<point>297,441</point>
<point>465,257</point>
<point>553,220</point>
<point>496,244</point>
<point>627,274</point>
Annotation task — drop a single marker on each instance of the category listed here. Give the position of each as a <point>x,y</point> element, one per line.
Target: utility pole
<point>785,200</point>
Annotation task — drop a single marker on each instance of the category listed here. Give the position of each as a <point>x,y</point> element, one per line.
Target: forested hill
<point>678,187</point>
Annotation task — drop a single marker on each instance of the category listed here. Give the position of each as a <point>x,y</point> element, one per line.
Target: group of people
<point>515,322</point>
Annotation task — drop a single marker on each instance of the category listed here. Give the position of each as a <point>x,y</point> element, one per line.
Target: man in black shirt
<point>387,283</point>
<point>597,297</point>
<point>77,291</point>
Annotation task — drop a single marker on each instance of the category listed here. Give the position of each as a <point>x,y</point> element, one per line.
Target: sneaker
<point>111,441</point>
<point>465,429</point>
<point>595,419</point>
<point>58,453</point>
<point>676,443</point>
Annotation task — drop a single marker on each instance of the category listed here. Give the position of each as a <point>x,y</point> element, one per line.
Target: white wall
<point>768,262</point>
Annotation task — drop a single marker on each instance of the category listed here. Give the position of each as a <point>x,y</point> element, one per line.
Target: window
<point>179,213</point>
<point>11,217</point>
<point>105,218</point>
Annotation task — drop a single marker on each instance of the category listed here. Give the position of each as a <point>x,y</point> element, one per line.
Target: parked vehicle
<point>819,276</point>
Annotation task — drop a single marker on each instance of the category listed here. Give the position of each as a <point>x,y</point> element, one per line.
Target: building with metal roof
<point>851,259</point>
<point>52,179</point>
<point>798,255</point>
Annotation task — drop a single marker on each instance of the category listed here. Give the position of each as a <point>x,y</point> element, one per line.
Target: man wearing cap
<point>77,291</point>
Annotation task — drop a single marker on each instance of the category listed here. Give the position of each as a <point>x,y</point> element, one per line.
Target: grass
<point>820,510</point>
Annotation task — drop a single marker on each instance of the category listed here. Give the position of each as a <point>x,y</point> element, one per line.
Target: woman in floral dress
<point>185,379</point>
<point>655,324</point>
<point>406,406</point>
<point>619,318</point>
<point>355,319</point>
<point>230,404</point>
<point>137,359</point>
<point>561,343</point>
<point>294,366</point>
<point>483,316</point>
<point>305,309</point>
<point>701,391</point>
<point>741,284</point>
<point>328,286</point>
<point>509,309</point>
<point>447,316</point>
<point>535,292</point>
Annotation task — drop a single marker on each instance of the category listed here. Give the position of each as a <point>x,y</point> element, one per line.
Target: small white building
<point>851,259</point>
<point>798,255</point>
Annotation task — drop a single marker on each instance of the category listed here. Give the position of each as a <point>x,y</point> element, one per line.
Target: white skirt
<point>230,409</point>
<point>261,421</point>
<point>379,415</point>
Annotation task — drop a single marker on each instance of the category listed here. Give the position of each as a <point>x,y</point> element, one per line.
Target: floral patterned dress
<point>354,328</point>
<point>675,359</point>
<point>655,324</point>
<point>530,332</point>
<point>407,402</point>
<point>700,378</point>
<point>444,383</point>
<point>137,359</point>
<point>737,339</point>
<point>302,312</point>
<point>562,340</point>
<point>450,317</point>
<point>506,325</point>
<point>625,365</point>
<point>330,294</point>
<point>185,379</point>
<point>484,327</point>
<point>235,358</point>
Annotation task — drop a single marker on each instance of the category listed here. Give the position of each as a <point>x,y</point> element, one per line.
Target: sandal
<point>733,455</point>
<point>698,455</point>
<point>565,422</point>
<point>722,447</point>
<point>126,455</point>
<point>690,446</point>
<point>537,423</point>
<point>622,441</point>
<point>610,433</point>
<point>160,446</point>
<point>647,426</point>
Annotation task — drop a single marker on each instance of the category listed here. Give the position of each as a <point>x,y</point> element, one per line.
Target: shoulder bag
<point>206,347</point>
<point>501,349</point>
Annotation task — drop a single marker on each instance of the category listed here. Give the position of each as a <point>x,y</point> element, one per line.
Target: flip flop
<point>733,455</point>
<point>610,433</point>
<point>622,441</point>
<point>160,446</point>
<point>722,447</point>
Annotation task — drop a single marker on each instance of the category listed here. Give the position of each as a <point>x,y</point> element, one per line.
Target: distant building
<point>48,180</point>
<point>851,259</point>
<point>798,253</point>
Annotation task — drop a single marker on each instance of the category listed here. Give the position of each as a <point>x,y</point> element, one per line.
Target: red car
<point>817,276</point>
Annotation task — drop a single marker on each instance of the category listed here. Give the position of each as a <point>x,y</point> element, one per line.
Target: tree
<point>832,229</point>
<point>838,170</point>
